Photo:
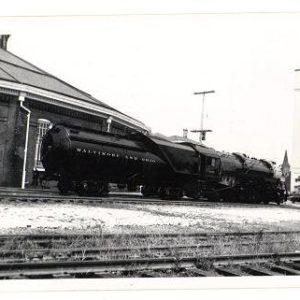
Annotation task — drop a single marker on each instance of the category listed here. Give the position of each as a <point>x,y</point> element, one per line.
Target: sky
<point>147,61</point>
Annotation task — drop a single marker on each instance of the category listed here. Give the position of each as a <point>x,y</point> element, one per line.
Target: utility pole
<point>202,131</point>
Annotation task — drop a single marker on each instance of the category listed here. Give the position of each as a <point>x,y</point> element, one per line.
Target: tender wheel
<point>64,185</point>
<point>213,196</point>
<point>162,194</point>
<point>146,191</point>
<point>103,190</point>
<point>80,189</point>
<point>91,189</point>
<point>170,193</point>
<point>131,188</point>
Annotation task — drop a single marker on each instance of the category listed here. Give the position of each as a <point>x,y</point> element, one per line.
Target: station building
<point>31,101</point>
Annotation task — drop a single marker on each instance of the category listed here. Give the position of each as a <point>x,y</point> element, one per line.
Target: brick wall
<point>13,131</point>
<point>9,173</point>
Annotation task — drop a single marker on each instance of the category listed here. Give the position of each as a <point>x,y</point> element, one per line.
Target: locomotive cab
<point>210,162</point>
<point>212,167</point>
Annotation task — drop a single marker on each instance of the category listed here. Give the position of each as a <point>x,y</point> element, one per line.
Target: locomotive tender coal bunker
<point>85,161</point>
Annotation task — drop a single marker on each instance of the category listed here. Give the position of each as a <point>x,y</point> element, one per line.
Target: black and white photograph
<point>150,141</point>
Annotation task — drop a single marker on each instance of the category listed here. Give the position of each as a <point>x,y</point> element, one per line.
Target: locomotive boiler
<point>85,161</point>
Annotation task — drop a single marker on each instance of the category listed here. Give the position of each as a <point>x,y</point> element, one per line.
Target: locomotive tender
<point>85,161</point>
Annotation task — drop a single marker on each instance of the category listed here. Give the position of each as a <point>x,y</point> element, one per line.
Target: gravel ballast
<point>120,218</point>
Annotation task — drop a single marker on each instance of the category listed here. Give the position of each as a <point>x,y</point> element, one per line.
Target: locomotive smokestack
<point>3,41</point>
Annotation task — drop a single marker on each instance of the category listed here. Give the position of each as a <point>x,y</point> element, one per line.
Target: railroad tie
<point>227,272</point>
<point>153,274</point>
<point>196,272</point>
<point>293,265</point>
<point>284,270</point>
<point>258,271</point>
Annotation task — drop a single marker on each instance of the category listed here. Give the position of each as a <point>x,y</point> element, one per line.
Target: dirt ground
<point>38,217</point>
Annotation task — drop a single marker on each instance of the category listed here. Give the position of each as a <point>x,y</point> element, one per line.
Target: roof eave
<point>70,103</point>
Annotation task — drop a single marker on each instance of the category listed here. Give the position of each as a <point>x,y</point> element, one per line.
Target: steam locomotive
<point>86,161</point>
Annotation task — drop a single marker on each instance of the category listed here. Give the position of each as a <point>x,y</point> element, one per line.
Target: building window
<point>43,126</point>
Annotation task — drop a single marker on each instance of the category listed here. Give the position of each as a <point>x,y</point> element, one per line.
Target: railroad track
<point>266,264</point>
<point>145,255</point>
<point>142,255</point>
<point>125,198</point>
<point>84,253</point>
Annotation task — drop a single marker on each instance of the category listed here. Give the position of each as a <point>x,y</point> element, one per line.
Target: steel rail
<point>87,267</point>
<point>206,235</point>
<point>99,201</point>
<point>110,199</point>
<point>119,198</point>
<point>96,251</point>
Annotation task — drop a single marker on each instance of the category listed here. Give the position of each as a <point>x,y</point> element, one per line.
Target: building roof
<point>16,70</point>
<point>285,163</point>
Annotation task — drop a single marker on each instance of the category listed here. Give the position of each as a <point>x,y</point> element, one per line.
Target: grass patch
<point>133,246</point>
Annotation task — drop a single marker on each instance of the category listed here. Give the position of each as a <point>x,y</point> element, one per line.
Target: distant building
<point>295,162</point>
<point>31,101</point>
<point>286,171</point>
